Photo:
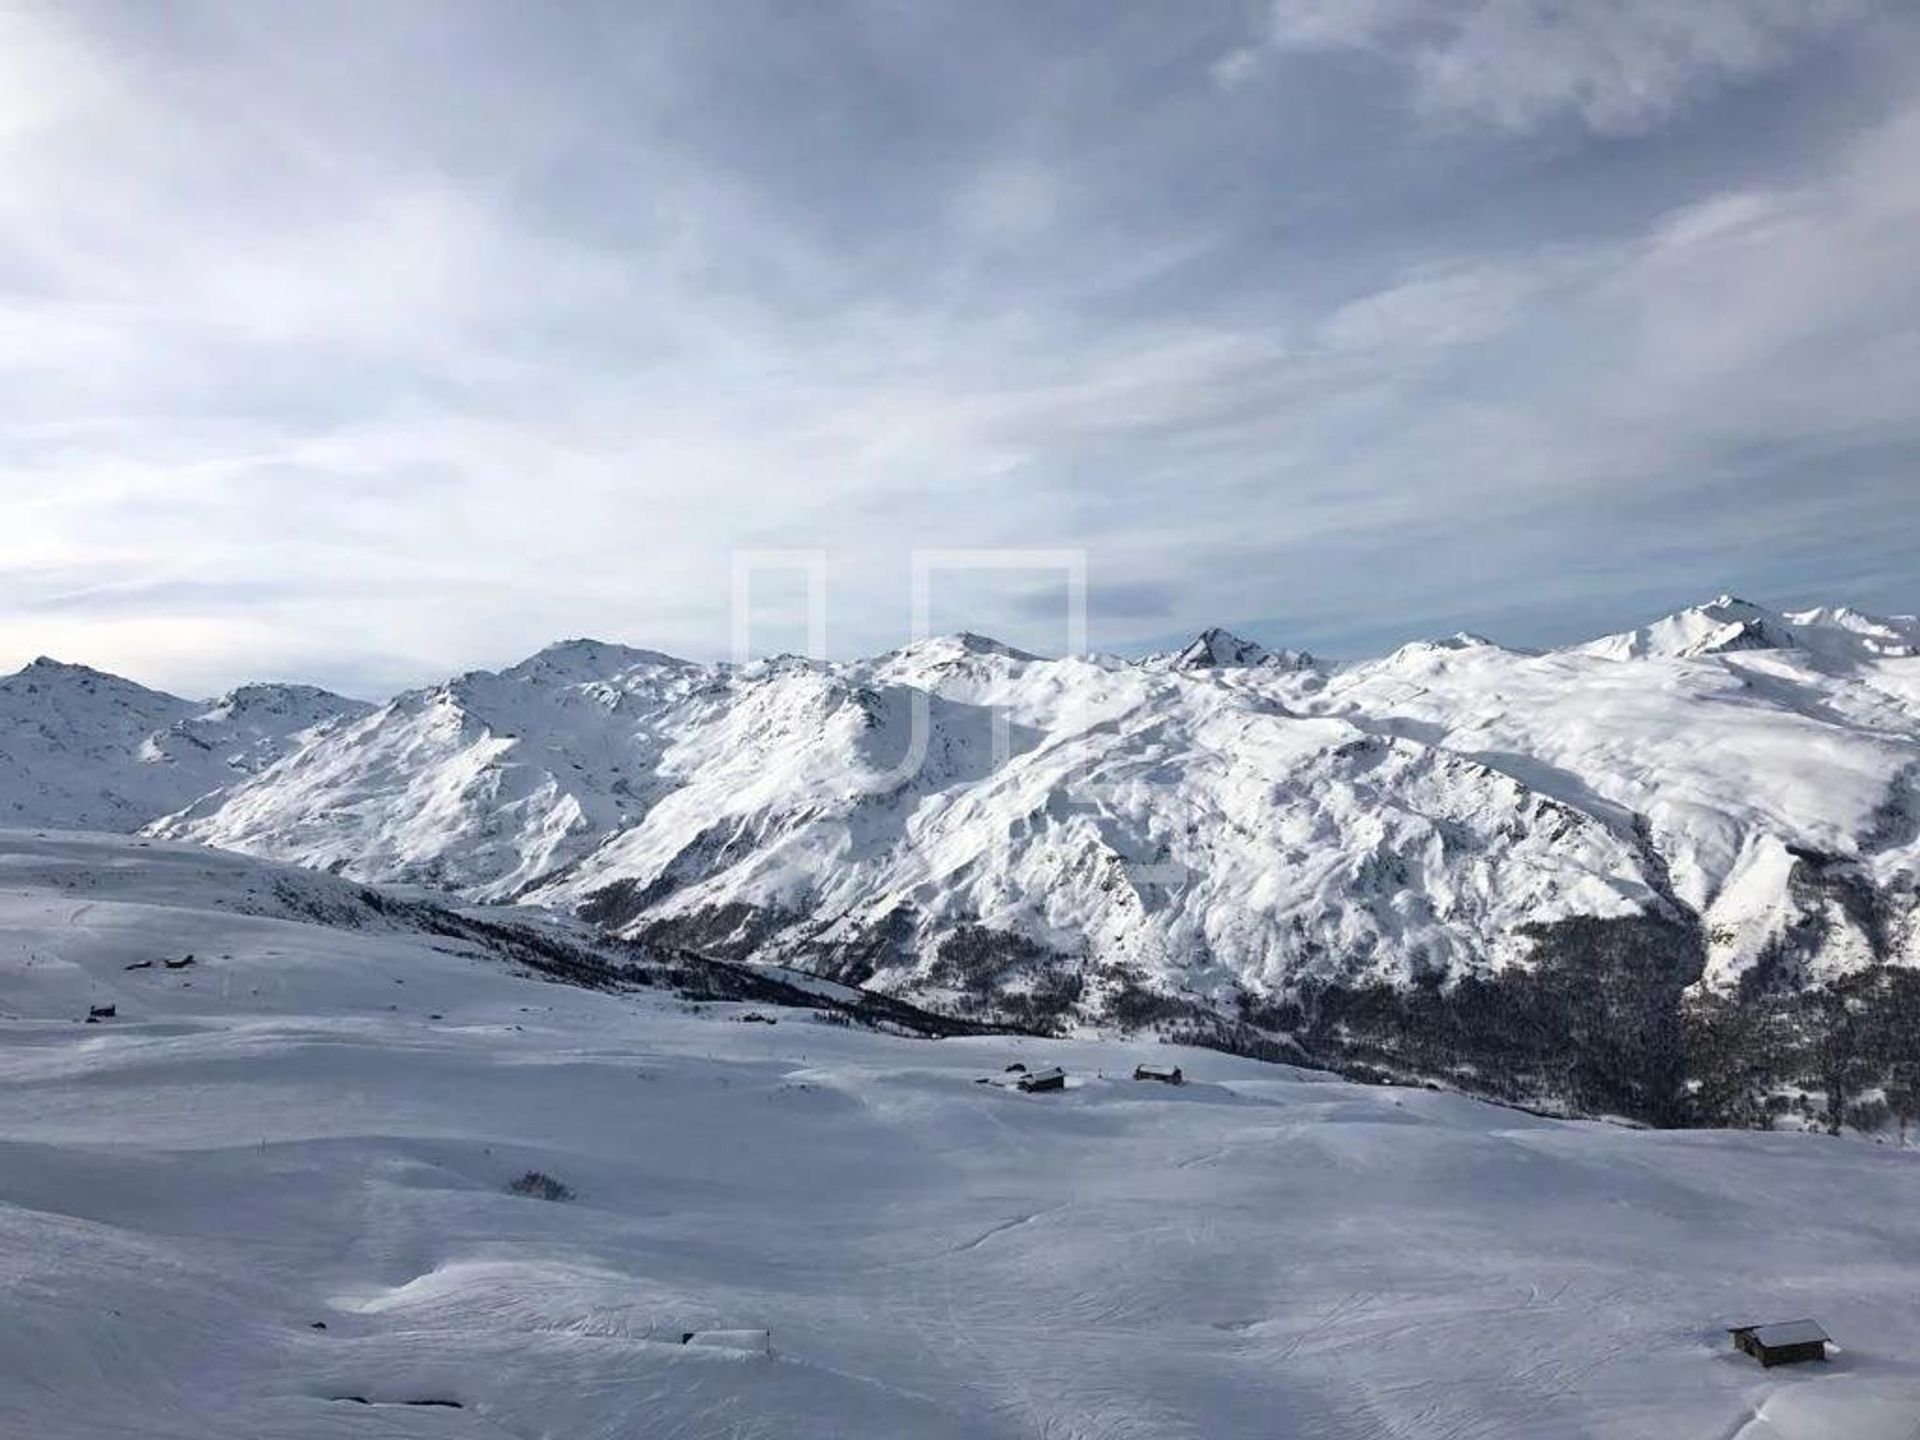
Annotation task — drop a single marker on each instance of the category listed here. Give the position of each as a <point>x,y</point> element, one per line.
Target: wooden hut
<point>1785,1343</point>
<point>1053,1078</point>
<point>751,1342</point>
<point>1165,1074</point>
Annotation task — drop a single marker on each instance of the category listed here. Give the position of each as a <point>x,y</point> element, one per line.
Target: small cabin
<point>1786,1343</point>
<point>1053,1078</point>
<point>1165,1074</point>
<point>750,1342</point>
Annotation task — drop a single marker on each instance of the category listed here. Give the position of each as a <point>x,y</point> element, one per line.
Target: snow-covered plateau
<point>1669,874</point>
<point>272,1197</point>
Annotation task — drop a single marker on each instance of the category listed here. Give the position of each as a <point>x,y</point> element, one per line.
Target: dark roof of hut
<point>1785,1332</point>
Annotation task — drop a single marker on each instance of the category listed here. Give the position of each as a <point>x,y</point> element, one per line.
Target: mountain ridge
<point>80,748</point>
<point>1719,803</point>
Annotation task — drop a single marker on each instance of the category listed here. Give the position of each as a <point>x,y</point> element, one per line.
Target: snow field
<point>281,1136</point>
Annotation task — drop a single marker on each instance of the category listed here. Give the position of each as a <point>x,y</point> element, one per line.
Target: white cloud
<point>1444,305</point>
<point>1236,67</point>
<point>44,75</point>
<point>1615,66</point>
<point>1339,24</point>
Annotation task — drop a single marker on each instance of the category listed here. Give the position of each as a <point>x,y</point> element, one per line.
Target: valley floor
<point>315,1126</point>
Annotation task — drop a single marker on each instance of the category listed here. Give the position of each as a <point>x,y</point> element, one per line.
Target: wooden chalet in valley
<point>1165,1074</point>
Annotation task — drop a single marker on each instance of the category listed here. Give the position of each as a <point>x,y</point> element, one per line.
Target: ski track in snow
<point>984,1236</point>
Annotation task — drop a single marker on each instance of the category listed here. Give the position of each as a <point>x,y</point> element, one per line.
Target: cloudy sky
<point>363,342</point>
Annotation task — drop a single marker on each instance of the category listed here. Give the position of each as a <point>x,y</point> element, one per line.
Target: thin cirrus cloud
<point>486,325</point>
<point>1615,66</point>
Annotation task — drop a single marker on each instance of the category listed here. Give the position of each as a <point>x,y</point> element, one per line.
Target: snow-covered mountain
<point>1232,817</point>
<point>1723,803</point>
<point>482,784</point>
<point>1217,649</point>
<point>82,749</point>
<point>1729,624</point>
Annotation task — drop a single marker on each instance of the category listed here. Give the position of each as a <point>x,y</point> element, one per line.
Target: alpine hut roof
<point>1787,1332</point>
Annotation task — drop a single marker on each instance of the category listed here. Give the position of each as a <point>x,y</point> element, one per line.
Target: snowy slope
<point>1729,763</point>
<point>269,1199</point>
<point>81,748</point>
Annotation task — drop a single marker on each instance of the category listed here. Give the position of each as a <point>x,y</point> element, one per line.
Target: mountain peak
<point>1730,608</point>
<point>45,670</point>
<point>271,702</point>
<point>1723,625</point>
<point>785,662</point>
<point>1841,630</point>
<point>46,665</point>
<point>266,692</point>
<point>977,644</point>
<point>930,657</point>
<point>964,642</point>
<point>587,659</point>
<point>1216,648</point>
<point>1458,642</point>
<point>1728,624</point>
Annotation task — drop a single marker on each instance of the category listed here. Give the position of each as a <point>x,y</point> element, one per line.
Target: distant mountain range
<point>80,749</point>
<point>1580,876</point>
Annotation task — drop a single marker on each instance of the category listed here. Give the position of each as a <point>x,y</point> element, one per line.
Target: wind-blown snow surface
<point>316,1126</point>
